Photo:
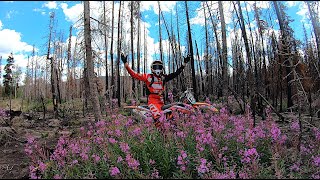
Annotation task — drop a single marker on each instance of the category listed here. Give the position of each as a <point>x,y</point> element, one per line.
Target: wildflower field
<point>199,146</point>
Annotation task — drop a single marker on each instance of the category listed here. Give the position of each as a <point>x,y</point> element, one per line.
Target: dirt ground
<point>14,164</point>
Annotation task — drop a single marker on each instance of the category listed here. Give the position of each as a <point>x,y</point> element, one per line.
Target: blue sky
<point>25,23</point>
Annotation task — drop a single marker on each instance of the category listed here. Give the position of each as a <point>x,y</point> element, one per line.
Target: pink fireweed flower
<point>182,160</point>
<point>148,120</point>
<point>62,141</point>
<point>100,123</point>
<point>118,132</point>
<point>114,171</point>
<point>89,133</point>
<point>132,163</point>
<point>152,162</point>
<point>295,167</point>
<point>315,176</point>
<point>225,148</point>
<point>110,132</point>
<point>137,131</point>
<point>304,150</point>
<point>112,140</point>
<point>203,166</point>
<point>208,100</point>
<point>28,150</point>
<point>34,176</point>
<point>183,154</point>
<point>250,136</point>
<point>275,132</point>
<point>295,126</point>
<point>42,166</point>
<point>124,147</point>
<point>129,122</point>
<point>75,149</point>
<point>193,117</point>
<point>259,132</point>
<point>181,134</point>
<point>30,139</point>
<point>57,176</point>
<point>155,174</point>
<point>119,159</point>
<point>243,175</point>
<point>216,126</point>
<point>162,117</point>
<point>316,161</point>
<point>249,155</point>
<point>199,147</point>
<point>96,158</point>
<point>316,132</point>
<point>117,122</point>
<point>98,140</point>
<point>84,156</point>
<point>283,139</point>
<point>75,161</point>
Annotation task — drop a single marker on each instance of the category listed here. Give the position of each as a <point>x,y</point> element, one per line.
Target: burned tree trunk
<point>224,52</point>
<point>53,89</point>
<point>118,58</point>
<point>93,94</point>
<point>194,83</point>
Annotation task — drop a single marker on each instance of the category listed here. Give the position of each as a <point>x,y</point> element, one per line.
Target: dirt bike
<point>187,98</point>
<point>187,105</point>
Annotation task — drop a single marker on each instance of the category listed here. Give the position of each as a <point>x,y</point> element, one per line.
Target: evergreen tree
<point>8,78</point>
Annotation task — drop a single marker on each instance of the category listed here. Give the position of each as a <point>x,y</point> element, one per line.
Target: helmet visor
<point>157,67</point>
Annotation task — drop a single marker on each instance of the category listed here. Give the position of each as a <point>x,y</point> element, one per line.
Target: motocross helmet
<point>157,67</point>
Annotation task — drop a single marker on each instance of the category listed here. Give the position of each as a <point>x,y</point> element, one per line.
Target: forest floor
<point>14,164</point>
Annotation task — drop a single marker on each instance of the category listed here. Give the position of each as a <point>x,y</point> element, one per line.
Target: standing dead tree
<point>52,63</point>
<point>194,84</point>
<point>93,94</point>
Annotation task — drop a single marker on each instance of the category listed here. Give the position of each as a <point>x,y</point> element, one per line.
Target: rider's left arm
<point>174,74</point>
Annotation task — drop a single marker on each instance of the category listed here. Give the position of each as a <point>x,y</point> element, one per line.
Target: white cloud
<point>10,13</point>
<point>0,25</point>
<point>42,11</point>
<point>292,3</point>
<point>50,5</point>
<point>73,13</point>
<point>166,6</point>
<point>11,42</point>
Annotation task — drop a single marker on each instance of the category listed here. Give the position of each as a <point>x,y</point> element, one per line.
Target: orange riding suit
<point>155,86</point>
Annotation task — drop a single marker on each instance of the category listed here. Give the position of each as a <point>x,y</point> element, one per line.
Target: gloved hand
<point>186,59</point>
<point>124,58</point>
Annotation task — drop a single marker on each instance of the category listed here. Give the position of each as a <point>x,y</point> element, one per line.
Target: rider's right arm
<point>141,77</point>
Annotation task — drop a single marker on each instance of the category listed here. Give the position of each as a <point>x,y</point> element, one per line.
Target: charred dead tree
<point>112,89</point>
<point>315,24</point>
<point>93,94</point>
<point>160,37</point>
<point>194,83</point>
<point>105,36</point>
<point>118,57</point>
<point>285,51</point>
<point>224,52</point>
<point>132,48</point>
<point>51,59</point>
